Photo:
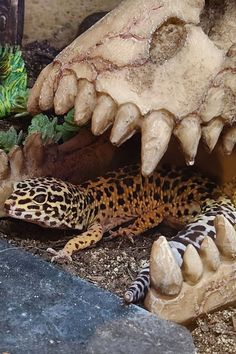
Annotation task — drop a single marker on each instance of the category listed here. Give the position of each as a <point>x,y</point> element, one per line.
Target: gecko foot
<point>120,232</point>
<point>61,255</point>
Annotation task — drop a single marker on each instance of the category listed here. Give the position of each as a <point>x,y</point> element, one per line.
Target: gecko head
<point>45,201</point>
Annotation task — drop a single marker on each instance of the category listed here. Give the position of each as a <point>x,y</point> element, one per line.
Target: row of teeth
<point>206,280</point>
<point>156,127</point>
<point>166,275</point>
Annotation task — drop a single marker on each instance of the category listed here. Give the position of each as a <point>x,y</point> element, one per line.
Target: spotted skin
<point>104,203</point>
<point>194,233</point>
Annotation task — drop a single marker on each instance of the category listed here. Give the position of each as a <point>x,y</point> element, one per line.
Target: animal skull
<point>146,66</point>
<point>205,282</point>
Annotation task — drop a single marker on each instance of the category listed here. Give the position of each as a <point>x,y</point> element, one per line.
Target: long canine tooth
<point>214,104</point>
<point>211,132</point>
<point>33,100</point>
<point>85,102</point>
<point>165,273</point>
<point>229,140</point>
<point>209,254</point>
<point>126,123</point>
<point>4,165</point>
<point>157,128</point>
<point>49,87</point>
<point>103,115</point>
<point>65,95</point>
<point>189,133</point>
<point>225,236</point>
<point>192,265</point>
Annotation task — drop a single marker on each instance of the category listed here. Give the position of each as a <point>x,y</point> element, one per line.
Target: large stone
<point>45,310</point>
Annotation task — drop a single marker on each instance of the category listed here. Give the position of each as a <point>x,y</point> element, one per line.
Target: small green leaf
<point>69,128</point>
<point>10,138</point>
<point>13,81</point>
<point>48,128</point>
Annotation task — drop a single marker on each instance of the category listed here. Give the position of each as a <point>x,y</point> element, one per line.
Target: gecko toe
<point>61,255</point>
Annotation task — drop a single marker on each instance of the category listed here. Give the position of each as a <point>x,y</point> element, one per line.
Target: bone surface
<point>4,168</point>
<point>225,236</point>
<point>65,95</point>
<point>215,288</point>
<point>49,86</point>
<point>166,275</point>
<point>33,100</point>
<point>156,131</point>
<point>103,115</point>
<point>84,102</point>
<point>211,132</point>
<point>229,140</point>
<point>158,59</point>
<point>192,267</point>
<point>209,254</point>
<point>126,123</point>
<point>188,131</point>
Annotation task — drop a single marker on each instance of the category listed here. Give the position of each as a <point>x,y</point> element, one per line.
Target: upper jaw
<point>112,75</point>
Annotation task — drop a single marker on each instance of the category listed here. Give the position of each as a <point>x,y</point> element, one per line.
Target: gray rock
<point>141,334</point>
<point>46,310</point>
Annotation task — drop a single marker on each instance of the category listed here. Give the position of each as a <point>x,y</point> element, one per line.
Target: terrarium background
<point>114,263</point>
<point>58,20</point>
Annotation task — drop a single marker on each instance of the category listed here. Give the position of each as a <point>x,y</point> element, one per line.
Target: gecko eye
<point>51,197</point>
<point>40,198</point>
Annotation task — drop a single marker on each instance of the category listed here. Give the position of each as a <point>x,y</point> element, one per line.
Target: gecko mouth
<point>27,216</point>
<point>32,216</point>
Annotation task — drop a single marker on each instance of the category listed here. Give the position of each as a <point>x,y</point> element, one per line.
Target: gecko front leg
<point>86,239</point>
<point>142,223</point>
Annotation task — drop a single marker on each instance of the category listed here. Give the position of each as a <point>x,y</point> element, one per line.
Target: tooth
<point>33,100</point>
<point>34,153</point>
<point>16,159</point>
<point>232,51</point>
<point>229,140</point>
<point>214,104</point>
<point>211,132</point>
<point>126,123</point>
<point>4,165</point>
<point>209,253</point>
<point>188,131</point>
<point>165,273</point>
<point>83,70</point>
<point>49,86</point>
<point>156,132</point>
<point>225,236</point>
<point>65,95</point>
<point>103,115</point>
<point>192,267</point>
<point>85,102</point>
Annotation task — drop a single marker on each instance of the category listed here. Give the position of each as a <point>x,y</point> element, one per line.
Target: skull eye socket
<point>40,198</point>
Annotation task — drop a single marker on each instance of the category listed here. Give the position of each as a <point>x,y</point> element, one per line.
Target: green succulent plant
<point>50,129</point>
<point>10,138</point>
<point>13,82</point>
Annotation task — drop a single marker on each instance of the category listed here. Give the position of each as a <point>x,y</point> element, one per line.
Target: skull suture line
<point>146,66</point>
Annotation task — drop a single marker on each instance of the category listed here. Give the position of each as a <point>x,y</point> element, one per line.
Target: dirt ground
<point>111,265</point>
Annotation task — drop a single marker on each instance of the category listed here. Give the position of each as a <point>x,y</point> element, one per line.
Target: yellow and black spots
<point>88,238</point>
<point>48,202</point>
<point>109,201</point>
